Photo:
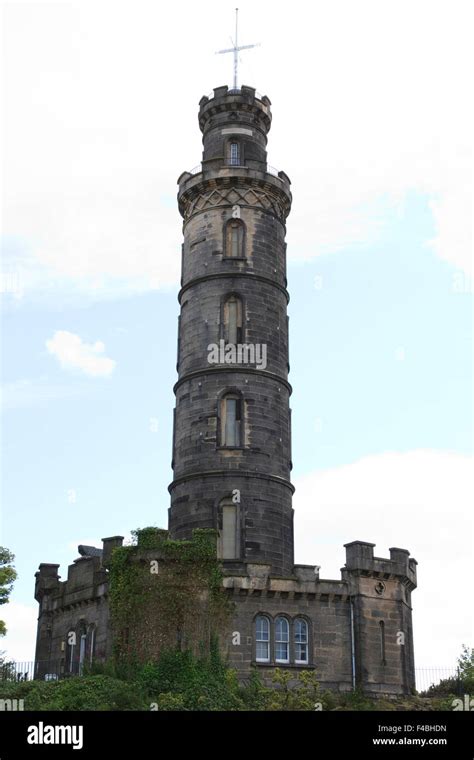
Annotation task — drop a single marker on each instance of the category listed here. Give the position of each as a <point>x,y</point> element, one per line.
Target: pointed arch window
<point>282,640</point>
<point>233,320</point>
<point>234,243</point>
<point>231,420</point>
<point>262,639</point>
<point>228,529</point>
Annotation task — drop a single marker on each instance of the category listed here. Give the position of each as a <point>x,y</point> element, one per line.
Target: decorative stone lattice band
<point>255,197</point>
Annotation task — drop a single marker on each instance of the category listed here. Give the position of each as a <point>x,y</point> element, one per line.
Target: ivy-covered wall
<point>166,594</point>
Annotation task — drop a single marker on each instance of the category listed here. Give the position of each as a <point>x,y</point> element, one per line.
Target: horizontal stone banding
<point>234,473</point>
<point>232,368</point>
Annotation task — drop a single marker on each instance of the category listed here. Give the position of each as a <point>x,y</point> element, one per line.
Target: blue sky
<point>378,262</point>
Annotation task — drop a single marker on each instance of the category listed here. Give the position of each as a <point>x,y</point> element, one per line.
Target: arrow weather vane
<point>236,49</point>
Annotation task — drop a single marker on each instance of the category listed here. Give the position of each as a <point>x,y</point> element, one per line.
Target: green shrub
<point>182,681</point>
<point>202,683</point>
<point>98,692</point>
<point>169,702</point>
<point>355,700</point>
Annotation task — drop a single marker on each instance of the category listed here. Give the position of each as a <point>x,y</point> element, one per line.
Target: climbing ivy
<point>165,594</point>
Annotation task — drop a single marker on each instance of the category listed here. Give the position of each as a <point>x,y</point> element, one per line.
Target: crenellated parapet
<point>227,107</point>
<point>360,561</point>
<point>73,610</point>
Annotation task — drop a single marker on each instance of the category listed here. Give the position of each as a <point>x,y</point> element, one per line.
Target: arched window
<point>234,154</point>
<point>228,529</point>
<point>91,642</point>
<point>382,641</point>
<point>233,320</point>
<point>81,642</point>
<point>231,420</point>
<point>301,641</point>
<point>234,243</point>
<point>262,639</point>
<point>282,640</point>
<point>82,652</point>
<point>71,641</point>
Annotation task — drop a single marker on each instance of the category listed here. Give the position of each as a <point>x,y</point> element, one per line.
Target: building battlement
<point>360,560</point>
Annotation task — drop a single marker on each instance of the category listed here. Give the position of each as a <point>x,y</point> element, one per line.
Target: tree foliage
<point>7,578</point>
<point>466,669</point>
<point>459,684</point>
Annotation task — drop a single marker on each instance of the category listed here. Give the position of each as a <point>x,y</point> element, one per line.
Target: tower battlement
<point>245,101</point>
<point>235,124</point>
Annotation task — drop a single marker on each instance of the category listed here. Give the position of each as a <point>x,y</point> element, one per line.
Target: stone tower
<point>232,437</point>
<point>232,451</point>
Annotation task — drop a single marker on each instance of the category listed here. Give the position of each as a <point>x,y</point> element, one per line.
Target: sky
<point>372,122</point>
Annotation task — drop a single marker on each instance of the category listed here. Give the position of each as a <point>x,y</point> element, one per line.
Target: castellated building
<point>232,448</point>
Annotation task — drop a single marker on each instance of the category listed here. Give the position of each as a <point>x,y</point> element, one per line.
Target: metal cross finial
<point>236,49</point>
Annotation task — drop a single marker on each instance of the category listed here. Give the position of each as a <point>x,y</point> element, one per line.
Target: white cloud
<point>367,110</point>
<point>419,500</point>
<point>452,212</point>
<point>72,353</point>
<point>19,643</point>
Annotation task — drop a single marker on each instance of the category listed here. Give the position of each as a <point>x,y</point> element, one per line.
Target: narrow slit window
<point>382,641</point>
<point>262,639</point>
<point>282,640</point>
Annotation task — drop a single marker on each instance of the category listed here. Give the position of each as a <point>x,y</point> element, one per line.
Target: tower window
<point>228,544</point>
<point>234,244</point>
<point>262,639</point>
<point>301,641</point>
<point>234,154</point>
<point>282,640</point>
<point>231,417</point>
<point>233,320</point>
